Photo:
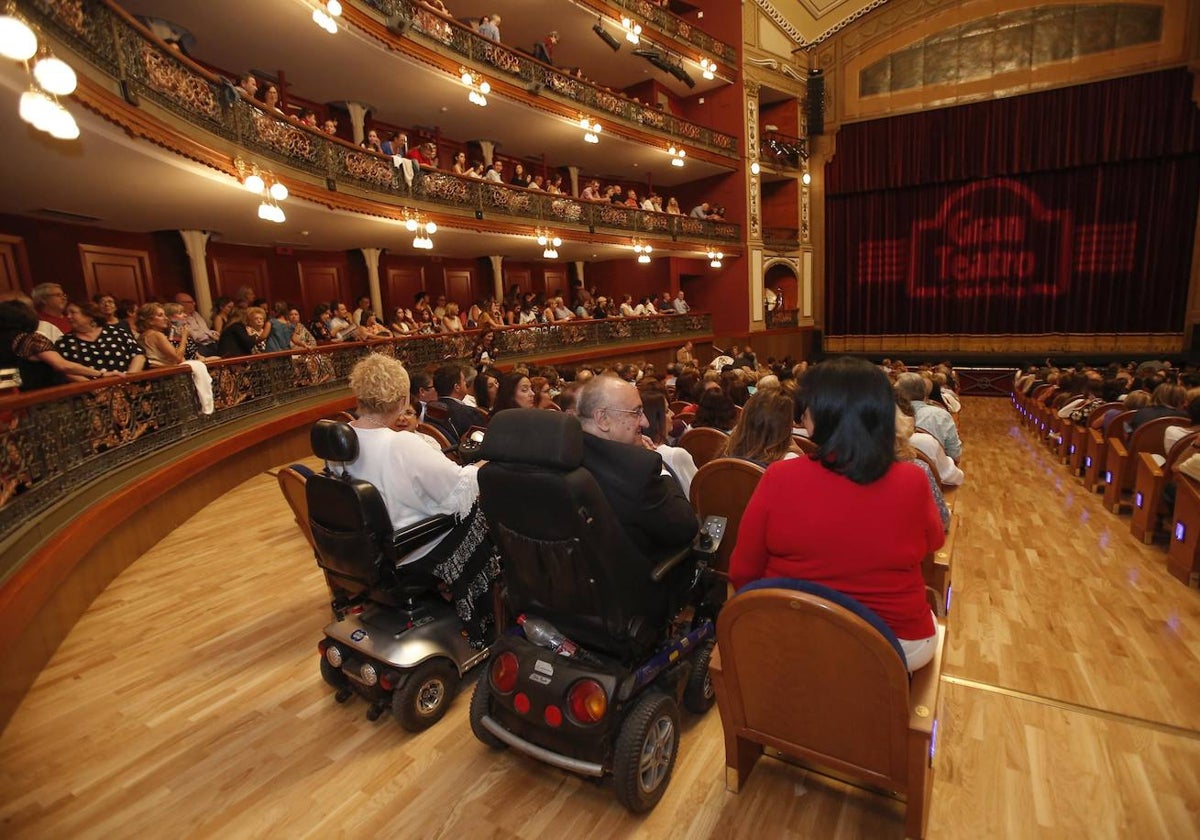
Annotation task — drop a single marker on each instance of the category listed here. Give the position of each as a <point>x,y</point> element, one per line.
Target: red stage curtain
<point>1071,210</point>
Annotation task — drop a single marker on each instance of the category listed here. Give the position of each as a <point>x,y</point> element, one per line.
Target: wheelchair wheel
<point>698,694</point>
<point>481,702</point>
<point>645,752</point>
<point>426,694</point>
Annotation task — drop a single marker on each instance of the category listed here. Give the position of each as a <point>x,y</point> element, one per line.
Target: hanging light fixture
<point>423,228</point>
<point>633,30</point>
<point>714,258</point>
<point>324,17</point>
<point>17,40</point>
<point>708,68</point>
<point>478,85</point>
<point>54,75</point>
<point>677,155</point>
<point>591,129</point>
<point>264,185</point>
<point>549,243</point>
<point>642,250</point>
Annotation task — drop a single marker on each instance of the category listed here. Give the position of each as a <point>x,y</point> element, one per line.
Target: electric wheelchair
<point>604,702</point>
<point>394,640</point>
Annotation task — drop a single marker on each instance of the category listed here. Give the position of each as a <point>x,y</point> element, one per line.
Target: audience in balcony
<point>489,27</point>
<point>161,348</point>
<point>34,355</point>
<point>92,344</point>
<point>543,50</point>
<point>372,142</point>
<point>50,301</point>
<point>222,313</point>
<point>495,172</point>
<point>247,336</point>
<point>108,309</point>
<point>520,178</point>
<point>270,99</point>
<point>204,337</point>
<point>341,325</point>
<point>248,84</point>
<point>397,144</point>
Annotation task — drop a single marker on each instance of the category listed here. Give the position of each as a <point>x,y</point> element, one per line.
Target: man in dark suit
<point>646,499</point>
<point>451,383</point>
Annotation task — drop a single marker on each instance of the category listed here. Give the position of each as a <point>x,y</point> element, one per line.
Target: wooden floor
<point>187,702</point>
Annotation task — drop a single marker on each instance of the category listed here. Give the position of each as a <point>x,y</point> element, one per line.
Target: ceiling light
<point>34,104</point>
<point>278,191</point>
<point>254,182</point>
<point>54,75</point>
<point>677,156</point>
<point>62,125</point>
<point>632,30</point>
<point>17,40</point>
<point>334,7</point>
<point>707,68</point>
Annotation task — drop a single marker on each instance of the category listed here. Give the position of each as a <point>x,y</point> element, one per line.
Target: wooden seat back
<point>442,441</point>
<point>723,487</point>
<point>812,679</point>
<point>292,482</point>
<point>704,444</point>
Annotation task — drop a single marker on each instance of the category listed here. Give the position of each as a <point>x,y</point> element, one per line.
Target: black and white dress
<point>113,349</point>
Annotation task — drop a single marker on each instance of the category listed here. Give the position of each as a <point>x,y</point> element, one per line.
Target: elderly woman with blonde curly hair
<point>416,482</point>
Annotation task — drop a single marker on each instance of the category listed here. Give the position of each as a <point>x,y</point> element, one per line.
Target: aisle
<point>186,702</point>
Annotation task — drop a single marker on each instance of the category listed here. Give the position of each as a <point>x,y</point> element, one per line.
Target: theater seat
<point>704,444</point>
<point>806,675</point>
<point>292,480</point>
<point>723,487</point>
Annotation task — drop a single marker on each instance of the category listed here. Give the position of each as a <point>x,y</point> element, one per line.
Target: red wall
<point>780,204</point>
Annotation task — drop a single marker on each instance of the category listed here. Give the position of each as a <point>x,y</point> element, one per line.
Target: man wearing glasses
<point>646,499</point>
<point>51,304</point>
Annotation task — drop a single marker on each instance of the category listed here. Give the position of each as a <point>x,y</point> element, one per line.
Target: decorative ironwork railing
<point>119,46</point>
<point>782,318</point>
<point>443,32</point>
<point>53,443</point>
<point>782,150</point>
<point>678,28</point>
<point>781,239</point>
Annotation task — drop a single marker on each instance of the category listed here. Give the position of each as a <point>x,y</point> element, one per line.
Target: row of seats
<point>1132,468</point>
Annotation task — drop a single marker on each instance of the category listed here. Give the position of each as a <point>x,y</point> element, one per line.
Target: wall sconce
<point>424,230</point>
<point>714,258</point>
<point>755,168</point>
<point>633,30</point>
<point>549,243</point>
<point>478,85</point>
<point>324,17</point>
<point>591,129</point>
<point>677,156</point>
<point>264,185</point>
<point>806,179</point>
<point>708,68</point>
<point>49,78</point>
<point>643,251</point>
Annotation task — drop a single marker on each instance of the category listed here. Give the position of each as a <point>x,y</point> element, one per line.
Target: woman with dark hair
<point>660,417</point>
<point>221,312</point>
<point>515,391</point>
<point>127,313</point>
<point>849,517</point>
<point>764,432</point>
<point>30,352</point>
<point>715,411</point>
<point>487,388</point>
<point>92,344</point>
<point>542,397</point>
<point>319,325</point>
<point>108,309</point>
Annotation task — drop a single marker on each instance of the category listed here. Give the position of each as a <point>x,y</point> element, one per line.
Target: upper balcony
<point>146,68</point>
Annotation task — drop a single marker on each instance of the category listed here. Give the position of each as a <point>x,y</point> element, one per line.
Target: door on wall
<point>120,272</point>
<point>232,273</point>
<point>321,283</point>
<point>400,287</point>
<point>14,265</point>
<point>520,277</point>
<point>460,288</point>
<point>556,281</point>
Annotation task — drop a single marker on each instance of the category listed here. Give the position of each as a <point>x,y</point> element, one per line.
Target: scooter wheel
<point>426,694</point>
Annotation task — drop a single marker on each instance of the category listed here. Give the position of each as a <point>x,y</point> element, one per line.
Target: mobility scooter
<point>394,640</point>
<point>605,644</point>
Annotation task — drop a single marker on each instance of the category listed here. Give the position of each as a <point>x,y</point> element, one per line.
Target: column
<point>497,277</point>
<point>371,257</point>
<point>488,149</point>
<point>196,243</point>
<point>358,118</point>
<point>579,264</point>
<point>573,171</point>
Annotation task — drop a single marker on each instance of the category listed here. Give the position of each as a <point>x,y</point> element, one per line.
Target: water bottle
<point>544,634</point>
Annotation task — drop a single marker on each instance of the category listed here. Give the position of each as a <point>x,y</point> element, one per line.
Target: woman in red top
<point>850,517</point>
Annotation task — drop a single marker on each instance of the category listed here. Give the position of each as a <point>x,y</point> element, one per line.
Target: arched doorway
<point>780,281</point>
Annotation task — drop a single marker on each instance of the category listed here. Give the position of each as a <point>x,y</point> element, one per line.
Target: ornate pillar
<point>579,264</point>
<point>358,118</point>
<point>488,149</point>
<point>196,244</point>
<point>371,257</point>
<point>573,171</point>
<point>753,192</point>
<point>497,276</point>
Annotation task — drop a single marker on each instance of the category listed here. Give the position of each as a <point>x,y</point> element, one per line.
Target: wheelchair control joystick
<point>705,538</point>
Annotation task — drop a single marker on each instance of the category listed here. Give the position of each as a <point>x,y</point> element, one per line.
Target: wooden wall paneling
<point>15,275</point>
<point>460,287</point>
<point>320,282</point>
<point>230,273</point>
<point>400,286</point>
<point>120,272</point>
<point>555,279</point>
<point>519,276</point>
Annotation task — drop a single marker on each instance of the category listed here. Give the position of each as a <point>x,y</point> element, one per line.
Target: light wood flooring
<point>187,702</point>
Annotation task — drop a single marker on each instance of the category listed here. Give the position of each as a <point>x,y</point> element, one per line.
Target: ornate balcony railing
<point>443,32</point>
<point>782,150</point>
<point>781,239</point>
<point>678,28</point>
<point>783,318</point>
<point>55,442</point>
<point>121,47</point>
